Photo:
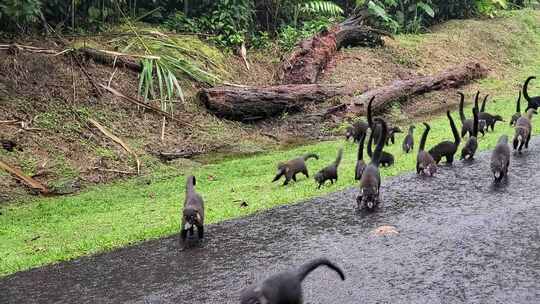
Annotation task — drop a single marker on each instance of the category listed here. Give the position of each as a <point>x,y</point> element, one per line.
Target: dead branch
<point>32,183</point>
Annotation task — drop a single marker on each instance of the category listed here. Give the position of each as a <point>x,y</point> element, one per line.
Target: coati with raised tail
<point>329,172</point>
<point>447,148</point>
<point>193,212</point>
<point>490,119</point>
<point>523,131</point>
<point>360,163</point>
<point>391,138</point>
<point>467,124</point>
<point>532,102</point>
<point>356,130</point>
<point>285,287</point>
<point>292,167</point>
<point>500,159</point>
<point>408,142</point>
<point>386,159</point>
<point>516,115</point>
<point>370,183</point>
<point>425,163</point>
<point>471,145</point>
<point>376,129</point>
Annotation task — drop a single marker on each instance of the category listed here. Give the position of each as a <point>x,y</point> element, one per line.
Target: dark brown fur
<point>523,131</point>
<point>468,151</point>
<point>447,148</point>
<point>425,164</point>
<point>193,212</point>
<point>408,142</point>
<point>329,172</point>
<point>532,102</point>
<point>500,159</point>
<point>516,115</point>
<point>292,167</point>
<point>360,163</point>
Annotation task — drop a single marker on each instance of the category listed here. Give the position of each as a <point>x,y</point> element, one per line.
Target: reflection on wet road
<point>461,240</point>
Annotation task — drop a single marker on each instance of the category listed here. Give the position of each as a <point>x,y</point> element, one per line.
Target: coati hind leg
<point>527,141</point>
<point>449,158</point>
<point>305,172</point>
<point>200,232</point>
<point>294,177</point>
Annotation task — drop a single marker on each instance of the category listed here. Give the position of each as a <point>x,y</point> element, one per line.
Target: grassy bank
<point>106,217</point>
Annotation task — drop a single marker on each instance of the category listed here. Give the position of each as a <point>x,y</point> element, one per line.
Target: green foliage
<point>288,35</point>
<point>490,7</point>
<point>260,40</point>
<point>402,15</point>
<point>230,20</point>
<point>20,13</point>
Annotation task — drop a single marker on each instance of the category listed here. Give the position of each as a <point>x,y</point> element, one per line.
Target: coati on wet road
<point>285,287</point>
<point>500,159</point>
<point>447,148</point>
<point>516,115</point>
<point>292,167</point>
<point>408,142</point>
<point>370,183</point>
<point>360,163</point>
<point>425,163</point>
<point>523,131</point>
<point>532,102</point>
<point>471,145</point>
<point>329,172</point>
<point>193,212</point>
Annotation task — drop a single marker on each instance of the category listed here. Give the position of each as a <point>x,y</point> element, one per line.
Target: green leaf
<point>426,8</point>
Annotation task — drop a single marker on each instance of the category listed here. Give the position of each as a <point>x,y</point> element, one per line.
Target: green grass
<point>48,230</point>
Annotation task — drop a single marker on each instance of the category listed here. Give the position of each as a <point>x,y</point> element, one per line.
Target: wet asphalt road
<point>461,240</point>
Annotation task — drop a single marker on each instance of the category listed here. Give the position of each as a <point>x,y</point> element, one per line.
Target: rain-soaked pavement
<point>461,240</point>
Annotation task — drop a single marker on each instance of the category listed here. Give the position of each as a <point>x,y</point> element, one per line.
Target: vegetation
<point>106,217</point>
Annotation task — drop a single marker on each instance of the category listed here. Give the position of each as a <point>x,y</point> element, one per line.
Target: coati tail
<point>518,105</point>
<point>190,183</point>
<point>526,88</point>
<point>475,122</point>
<point>457,138</point>
<point>360,154</point>
<point>461,104</point>
<point>369,113</point>
<point>380,144</point>
<point>476,99</point>
<point>311,155</point>
<point>307,268</point>
<point>424,137</point>
<point>339,157</point>
<point>483,108</point>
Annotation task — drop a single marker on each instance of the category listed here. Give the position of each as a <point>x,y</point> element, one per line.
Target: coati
<point>467,124</point>
<point>370,183</point>
<point>360,163</point>
<point>425,163</point>
<point>468,151</point>
<point>500,159</point>
<point>386,159</point>
<point>330,172</point>
<point>284,287</point>
<point>292,167</point>
<point>532,102</point>
<point>490,119</point>
<point>408,142</point>
<point>516,115</point>
<point>376,129</point>
<point>446,148</point>
<point>193,212</point>
<point>523,130</point>
<point>392,135</point>
<point>356,130</point>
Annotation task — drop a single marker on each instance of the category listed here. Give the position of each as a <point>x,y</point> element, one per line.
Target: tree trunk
<point>310,57</point>
<point>400,90</point>
<point>253,103</point>
<point>106,58</point>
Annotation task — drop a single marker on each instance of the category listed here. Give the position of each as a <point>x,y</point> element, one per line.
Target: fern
<point>327,8</point>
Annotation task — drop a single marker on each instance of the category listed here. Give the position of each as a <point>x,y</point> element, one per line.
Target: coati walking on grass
<point>386,159</point>
<point>500,159</point>
<point>523,132</point>
<point>330,172</point>
<point>370,183</point>
<point>425,163</point>
<point>516,115</point>
<point>408,142</point>
<point>467,124</point>
<point>193,212</point>
<point>285,287</point>
<point>356,130</point>
<point>490,119</point>
<point>376,129</point>
<point>532,102</point>
<point>292,167</point>
<point>471,145</point>
<point>360,163</point>
<point>391,138</point>
<point>447,148</point>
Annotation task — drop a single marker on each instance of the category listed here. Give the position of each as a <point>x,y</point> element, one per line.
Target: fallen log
<point>310,57</point>
<point>253,103</point>
<point>400,90</point>
<point>112,58</point>
<point>32,183</point>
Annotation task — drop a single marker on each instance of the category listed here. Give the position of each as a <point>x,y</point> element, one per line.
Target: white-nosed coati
<point>408,142</point>
<point>391,138</point>
<point>425,163</point>
<point>467,124</point>
<point>376,129</point>
<point>360,163</point>
<point>386,159</point>
<point>516,115</point>
<point>370,183</point>
<point>285,287</point>
<point>193,212</point>
<point>523,132</point>
<point>532,102</point>
<point>356,130</point>
<point>447,148</point>
<point>500,159</point>
<point>329,172</point>
<point>490,119</point>
<point>292,167</point>
<point>468,151</point>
